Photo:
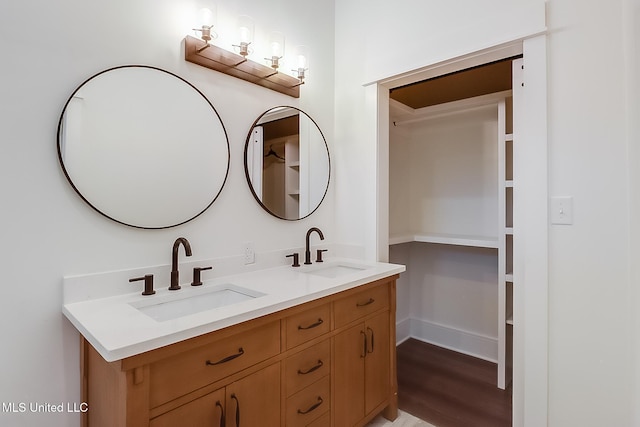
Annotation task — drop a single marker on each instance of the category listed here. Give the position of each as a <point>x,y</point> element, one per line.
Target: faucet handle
<point>319,255</point>
<point>148,283</point>
<point>196,275</point>
<point>296,259</point>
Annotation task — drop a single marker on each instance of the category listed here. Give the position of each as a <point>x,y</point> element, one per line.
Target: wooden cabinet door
<point>377,361</point>
<point>207,410</point>
<point>349,354</point>
<point>255,399</point>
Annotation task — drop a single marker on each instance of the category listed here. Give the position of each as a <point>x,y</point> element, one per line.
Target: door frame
<point>530,211</point>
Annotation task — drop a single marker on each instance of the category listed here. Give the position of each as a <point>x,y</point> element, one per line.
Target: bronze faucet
<point>175,274</point>
<point>307,252</point>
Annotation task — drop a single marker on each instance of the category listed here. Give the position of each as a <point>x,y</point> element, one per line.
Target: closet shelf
<point>509,277</point>
<point>508,183</point>
<point>447,239</point>
<point>508,137</point>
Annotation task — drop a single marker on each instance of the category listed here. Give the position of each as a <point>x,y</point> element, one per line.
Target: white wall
<point>48,49</point>
<point>448,297</point>
<point>591,333</point>
<point>414,33</point>
<point>453,170</point>
<point>592,64</point>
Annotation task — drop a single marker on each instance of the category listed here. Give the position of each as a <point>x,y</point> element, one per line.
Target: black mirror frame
<point>61,161</point>
<point>246,166</point>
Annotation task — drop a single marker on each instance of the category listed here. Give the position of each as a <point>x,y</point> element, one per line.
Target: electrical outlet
<point>249,253</point>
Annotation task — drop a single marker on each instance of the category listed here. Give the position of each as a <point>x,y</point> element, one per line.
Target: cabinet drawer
<point>185,372</point>
<point>353,307</point>
<point>304,368</point>
<point>309,404</point>
<point>308,325</point>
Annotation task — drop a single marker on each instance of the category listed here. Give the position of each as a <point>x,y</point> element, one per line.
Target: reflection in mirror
<point>143,147</point>
<point>287,163</point>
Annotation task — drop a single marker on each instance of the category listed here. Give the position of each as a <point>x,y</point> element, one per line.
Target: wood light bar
<point>218,59</point>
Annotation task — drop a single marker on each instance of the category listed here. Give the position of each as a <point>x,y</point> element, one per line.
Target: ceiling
<point>476,81</point>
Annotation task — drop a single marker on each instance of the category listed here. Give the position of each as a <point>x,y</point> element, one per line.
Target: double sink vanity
<point>281,346</point>
<point>289,343</point>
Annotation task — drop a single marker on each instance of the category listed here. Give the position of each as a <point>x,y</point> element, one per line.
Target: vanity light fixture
<point>245,35</point>
<point>238,65</point>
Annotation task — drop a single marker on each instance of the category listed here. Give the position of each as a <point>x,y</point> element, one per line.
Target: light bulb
<point>302,62</point>
<point>276,44</point>
<point>245,29</point>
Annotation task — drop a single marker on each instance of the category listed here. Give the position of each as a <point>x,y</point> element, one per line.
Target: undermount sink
<point>336,270</point>
<point>171,307</point>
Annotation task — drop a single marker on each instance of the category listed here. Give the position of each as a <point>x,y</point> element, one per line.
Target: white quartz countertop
<point>117,329</point>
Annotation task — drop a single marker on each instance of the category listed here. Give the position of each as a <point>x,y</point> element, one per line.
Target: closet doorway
<point>461,161</point>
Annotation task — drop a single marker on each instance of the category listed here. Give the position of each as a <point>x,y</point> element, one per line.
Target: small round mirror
<point>143,147</point>
<point>287,163</point>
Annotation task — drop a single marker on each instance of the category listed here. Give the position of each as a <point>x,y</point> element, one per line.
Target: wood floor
<point>449,389</point>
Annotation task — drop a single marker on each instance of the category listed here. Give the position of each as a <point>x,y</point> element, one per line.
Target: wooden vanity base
<point>326,363</point>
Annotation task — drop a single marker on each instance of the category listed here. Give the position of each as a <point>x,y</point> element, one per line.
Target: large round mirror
<point>287,163</point>
<point>143,147</point>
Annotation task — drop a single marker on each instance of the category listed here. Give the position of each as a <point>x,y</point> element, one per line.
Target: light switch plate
<point>562,210</point>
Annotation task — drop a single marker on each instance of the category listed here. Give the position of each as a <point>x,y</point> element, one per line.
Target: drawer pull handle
<point>234,397</point>
<point>364,345</point>
<point>363,304</point>
<point>312,407</point>
<point>227,359</point>
<point>311,326</point>
<point>313,368</point>
<point>222,421</point>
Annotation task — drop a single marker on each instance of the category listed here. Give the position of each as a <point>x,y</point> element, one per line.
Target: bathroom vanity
<point>266,346</point>
<point>312,346</point>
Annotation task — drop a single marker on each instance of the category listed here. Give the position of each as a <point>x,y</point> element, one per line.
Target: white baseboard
<point>472,344</point>
<point>403,331</point>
